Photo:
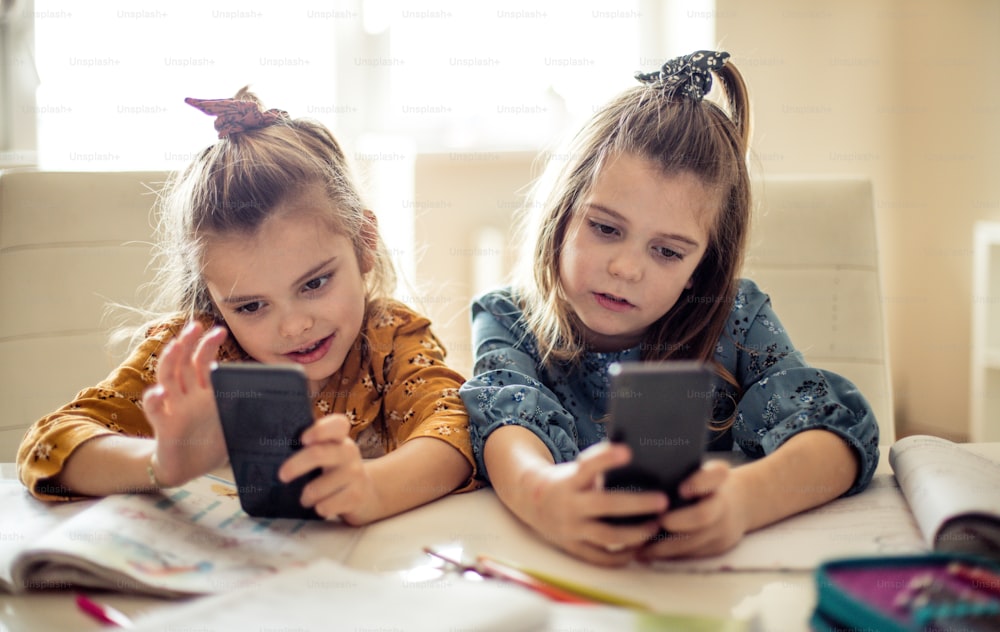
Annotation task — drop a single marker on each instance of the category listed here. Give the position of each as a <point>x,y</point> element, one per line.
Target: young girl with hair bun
<point>635,256</point>
<point>267,253</point>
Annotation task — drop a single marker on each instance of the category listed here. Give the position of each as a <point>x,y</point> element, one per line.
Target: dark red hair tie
<point>233,116</point>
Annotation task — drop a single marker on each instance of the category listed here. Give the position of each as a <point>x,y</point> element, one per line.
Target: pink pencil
<point>103,612</point>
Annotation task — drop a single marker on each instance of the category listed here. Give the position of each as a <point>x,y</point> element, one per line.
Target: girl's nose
<point>625,265</point>
<point>295,323</point>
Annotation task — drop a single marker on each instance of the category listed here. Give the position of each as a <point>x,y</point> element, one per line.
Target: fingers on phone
<point>694,521</point>
<point>708,478</point>
<point>617,538</point>
<point>614,545</point>
<point>328,455</point>
<point>626,504</point>
<point>688,537</point>
<point>338,490</point>
<point>335,428</point>
<point>599,458</point>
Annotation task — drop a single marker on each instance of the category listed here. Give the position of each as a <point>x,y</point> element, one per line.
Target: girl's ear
<point>690,283</point>
<point>369,242</point>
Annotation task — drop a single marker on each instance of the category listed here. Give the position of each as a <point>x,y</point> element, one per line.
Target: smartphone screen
<point>661,410</point>
<point>264,409</point>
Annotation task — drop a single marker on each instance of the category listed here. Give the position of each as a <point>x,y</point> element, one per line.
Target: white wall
<point>903,92</point>
<point>899,92</point>
<point>458,196</point>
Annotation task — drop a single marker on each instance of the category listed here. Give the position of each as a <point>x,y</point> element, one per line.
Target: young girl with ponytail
<point>635,256</point>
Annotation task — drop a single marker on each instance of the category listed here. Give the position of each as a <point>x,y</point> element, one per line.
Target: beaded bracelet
<point>152,475</point>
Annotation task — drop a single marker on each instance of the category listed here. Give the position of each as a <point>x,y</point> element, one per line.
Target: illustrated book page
<point>190,540</point>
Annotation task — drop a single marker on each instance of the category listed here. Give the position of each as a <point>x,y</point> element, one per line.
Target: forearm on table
<point>809,469</point>
<point>419,471</point>
<point>512,454</point>
<point>108,464</point>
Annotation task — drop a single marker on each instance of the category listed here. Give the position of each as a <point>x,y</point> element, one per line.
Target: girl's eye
<point>667,253</point>
<point>603,229</point>
<point>317,283</point>
<point>248,308</point>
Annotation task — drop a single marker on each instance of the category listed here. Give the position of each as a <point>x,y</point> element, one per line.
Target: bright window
<point>504,75</point>
<point>113,74</point>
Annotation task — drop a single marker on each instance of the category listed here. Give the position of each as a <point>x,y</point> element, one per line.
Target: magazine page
<point>194,539</point>
<point>944,483</point>
<point>23,520</point>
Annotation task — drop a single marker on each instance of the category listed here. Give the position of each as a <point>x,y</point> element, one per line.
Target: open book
<point>190,540</point>
<point>954,494</point>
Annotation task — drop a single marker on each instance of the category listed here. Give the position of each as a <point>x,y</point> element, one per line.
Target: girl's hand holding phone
<point>181,408</point>
<point>712,525</point>
<point>568,501</point>
<point>344,488</point>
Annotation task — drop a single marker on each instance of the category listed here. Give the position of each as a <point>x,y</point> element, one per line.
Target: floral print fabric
<point>393,388</point>
<point>779,395</point>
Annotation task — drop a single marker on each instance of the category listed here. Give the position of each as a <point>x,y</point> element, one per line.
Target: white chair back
<point>69,244</point>
<point>814,249</point>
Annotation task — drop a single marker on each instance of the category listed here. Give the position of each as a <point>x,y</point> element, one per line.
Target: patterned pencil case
<point>933,592</point>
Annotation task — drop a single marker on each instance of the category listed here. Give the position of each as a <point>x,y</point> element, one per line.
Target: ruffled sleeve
<point>113,406</point>
<point>506,389</point>
<point>420,391</point>
<point>782,395</point>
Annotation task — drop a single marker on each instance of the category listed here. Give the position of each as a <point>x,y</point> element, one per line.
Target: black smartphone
<point>264,409</point>
<point>661,410</point>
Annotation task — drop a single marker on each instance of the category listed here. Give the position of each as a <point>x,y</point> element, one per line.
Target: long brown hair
<point>678,134</point>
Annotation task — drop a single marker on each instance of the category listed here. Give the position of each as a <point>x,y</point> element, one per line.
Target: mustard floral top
<point>393,386</point>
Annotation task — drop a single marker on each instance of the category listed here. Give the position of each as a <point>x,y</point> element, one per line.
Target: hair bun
<point>234,116</point>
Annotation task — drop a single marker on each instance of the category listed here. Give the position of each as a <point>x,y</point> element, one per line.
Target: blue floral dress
<point>779,396</point>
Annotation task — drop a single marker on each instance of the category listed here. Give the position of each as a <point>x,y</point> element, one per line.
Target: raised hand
<point>181,408</point>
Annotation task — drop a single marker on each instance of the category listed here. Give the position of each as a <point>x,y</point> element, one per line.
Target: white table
<point>476,523</point>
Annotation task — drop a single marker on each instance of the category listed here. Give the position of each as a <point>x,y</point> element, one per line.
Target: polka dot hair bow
<point>690,74</point>
<point>233,116</point>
